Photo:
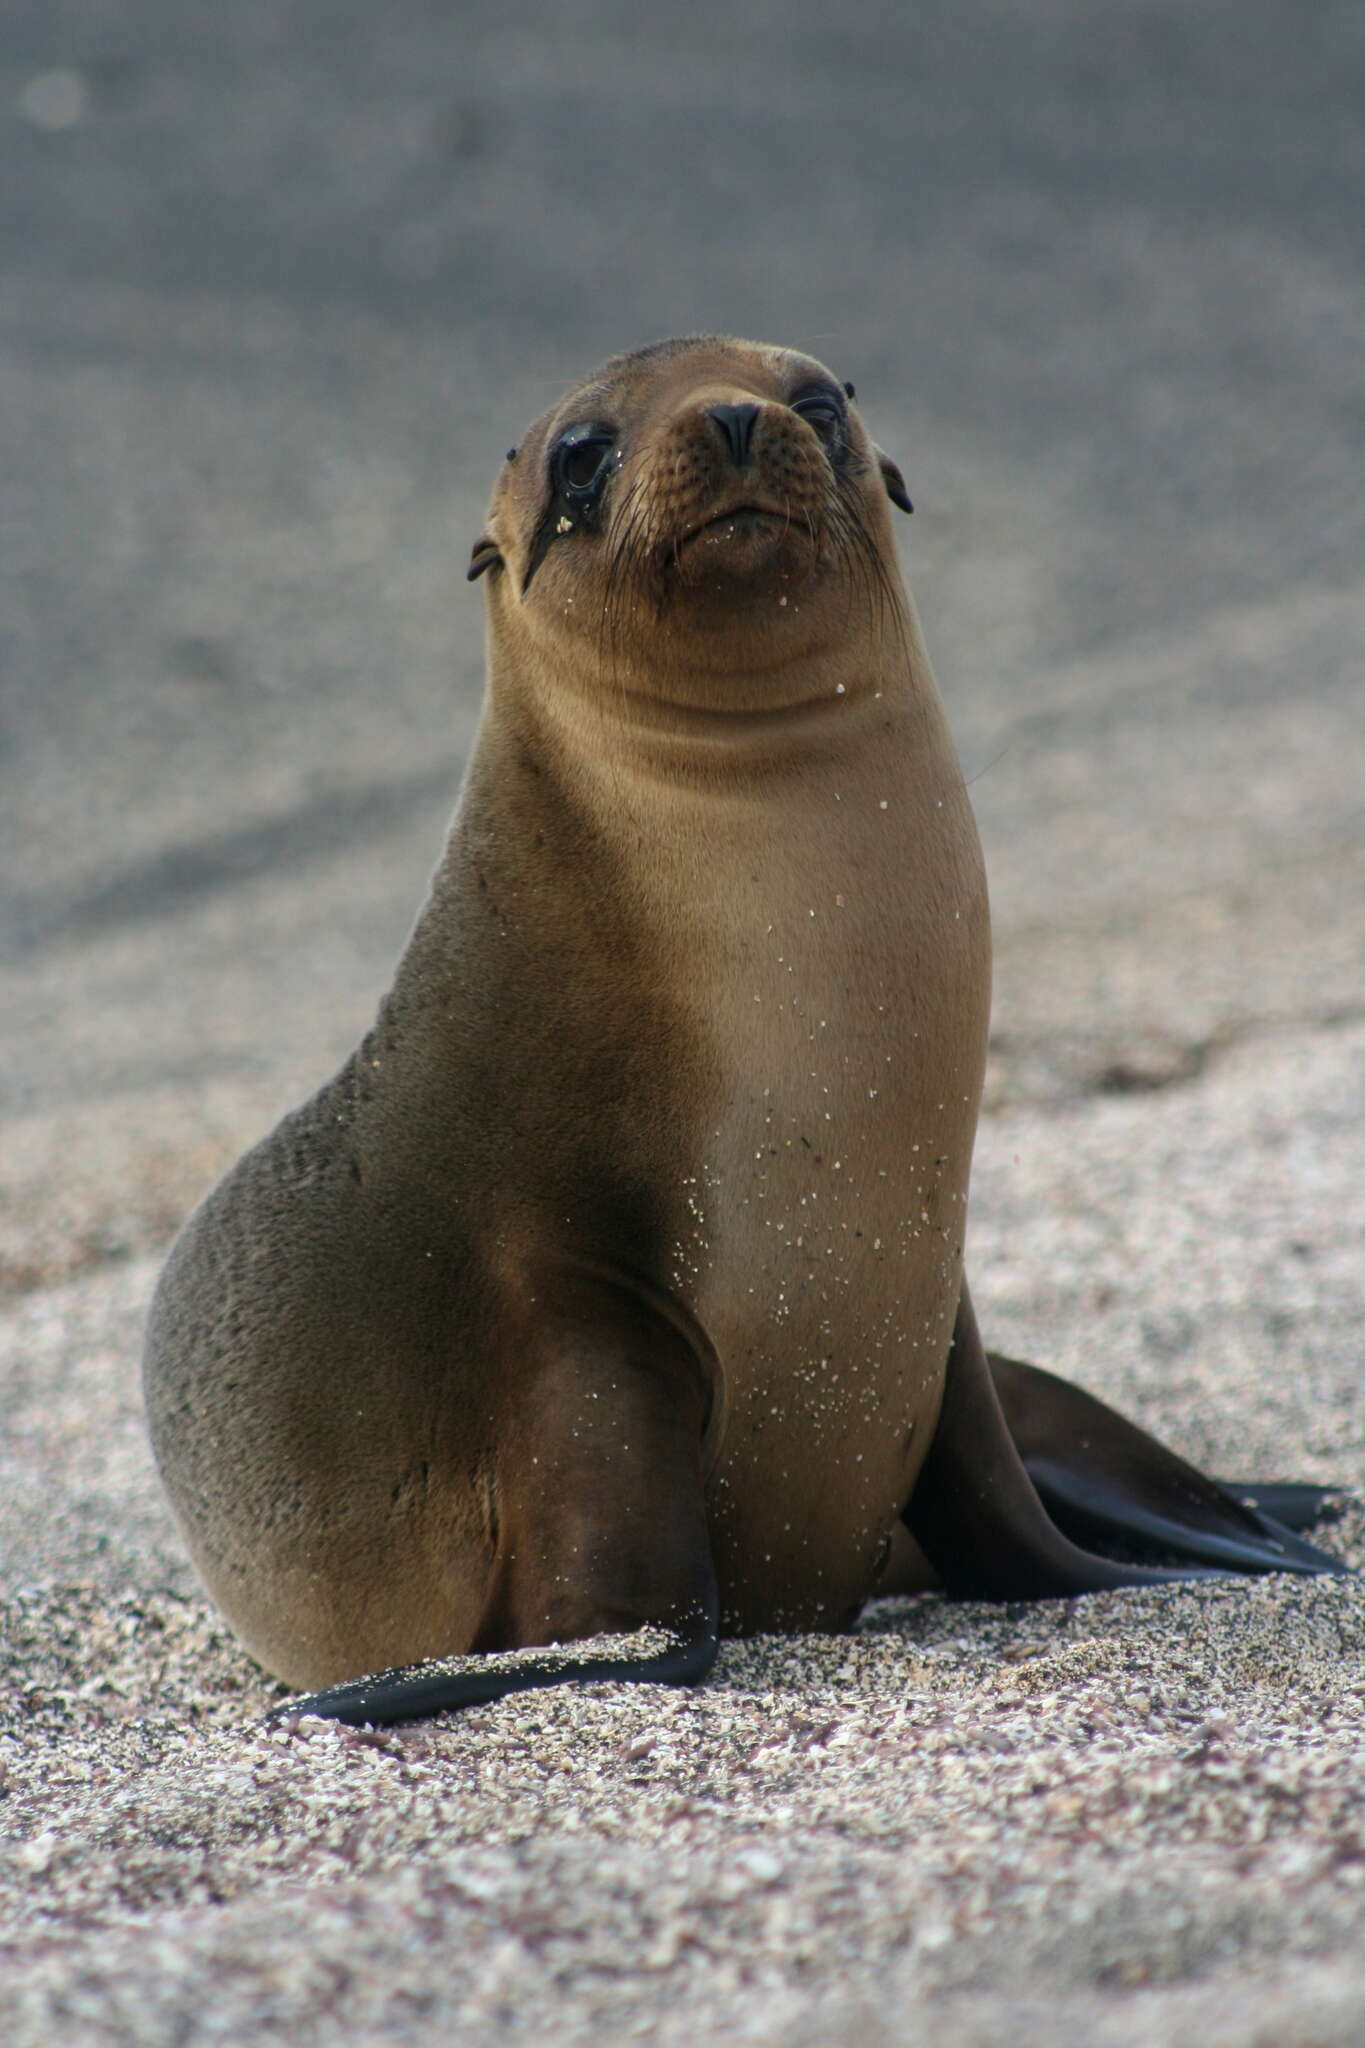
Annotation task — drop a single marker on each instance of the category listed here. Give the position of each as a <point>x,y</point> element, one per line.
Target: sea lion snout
<point>722,471</point>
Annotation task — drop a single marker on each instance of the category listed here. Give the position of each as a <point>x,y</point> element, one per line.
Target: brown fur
<point>616,1281</point>
<point>682,1064</point>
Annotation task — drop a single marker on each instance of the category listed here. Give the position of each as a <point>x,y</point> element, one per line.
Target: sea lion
<point>612,1294</point>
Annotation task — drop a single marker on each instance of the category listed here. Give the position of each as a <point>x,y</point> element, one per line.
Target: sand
<point>1126,1818</point>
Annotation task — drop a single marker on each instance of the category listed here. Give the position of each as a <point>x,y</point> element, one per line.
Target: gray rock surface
<point>276,289</point>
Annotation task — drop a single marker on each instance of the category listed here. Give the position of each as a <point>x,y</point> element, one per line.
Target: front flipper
<point>602,1568</point>
<point>1102,1479</point>
<point>977,1515</point>
<point>647,1656</point>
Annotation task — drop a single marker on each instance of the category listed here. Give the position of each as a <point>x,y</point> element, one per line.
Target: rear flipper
<point>1026,1470</point>
<point>1289,1502</point>
<point>1104,1480</point>
<point>603,1565</point>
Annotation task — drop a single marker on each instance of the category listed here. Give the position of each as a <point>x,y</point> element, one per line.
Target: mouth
<point>734,521</point>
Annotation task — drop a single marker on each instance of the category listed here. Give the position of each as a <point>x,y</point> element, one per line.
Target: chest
<point>839,971</point>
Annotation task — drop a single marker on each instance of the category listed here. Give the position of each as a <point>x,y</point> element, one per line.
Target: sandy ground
<point>275,292</point>
<point>1133,1817</point>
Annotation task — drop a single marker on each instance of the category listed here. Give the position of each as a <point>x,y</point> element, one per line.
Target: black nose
<point>736,423</point>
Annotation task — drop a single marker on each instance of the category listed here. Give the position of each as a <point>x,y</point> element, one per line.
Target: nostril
<point>736,424</point>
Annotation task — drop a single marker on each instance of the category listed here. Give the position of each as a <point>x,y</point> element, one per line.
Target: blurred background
<point>280,282</point>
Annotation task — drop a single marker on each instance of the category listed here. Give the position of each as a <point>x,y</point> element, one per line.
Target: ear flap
<point>894,481</point>
<point>485,556</point>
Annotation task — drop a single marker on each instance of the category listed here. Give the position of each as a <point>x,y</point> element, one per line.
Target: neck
<point>667,712</point>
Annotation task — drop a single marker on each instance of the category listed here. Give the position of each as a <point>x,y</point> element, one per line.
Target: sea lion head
<point>702,507</point>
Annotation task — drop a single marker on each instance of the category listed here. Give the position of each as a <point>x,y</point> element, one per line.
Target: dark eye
<point>822,411</point>
<point>581,460</point>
